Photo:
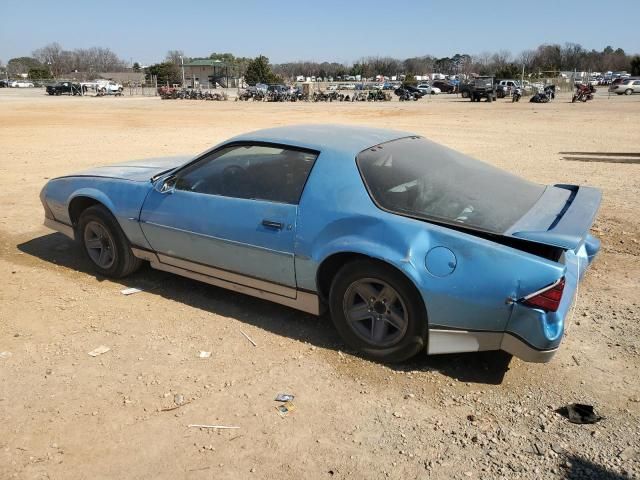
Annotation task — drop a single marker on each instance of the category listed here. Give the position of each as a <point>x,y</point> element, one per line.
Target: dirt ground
<point>67,415</point>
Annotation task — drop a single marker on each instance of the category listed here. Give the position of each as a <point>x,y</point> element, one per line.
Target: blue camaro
<point>410,245</point>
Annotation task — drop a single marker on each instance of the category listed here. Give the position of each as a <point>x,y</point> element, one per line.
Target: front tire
<point>105,244</point>
<point>628,91</point>
<point>378,311</point>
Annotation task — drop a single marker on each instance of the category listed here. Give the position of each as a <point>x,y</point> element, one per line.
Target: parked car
<point>108,87</point>
<point>410,245</point>
<point>616,81</point>
<point>21,84</point>
<point>444,86</point>
<point>64,88</point>
<point>4,83</point>
<point>414,90</point>
<point>627,87</point>
<point>424,88</point>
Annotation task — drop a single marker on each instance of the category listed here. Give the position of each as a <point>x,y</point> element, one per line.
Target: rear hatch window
<point>415,177</point>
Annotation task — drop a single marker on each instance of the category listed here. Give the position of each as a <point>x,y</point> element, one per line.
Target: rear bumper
<point>534,334</point>
<point>524,351</point>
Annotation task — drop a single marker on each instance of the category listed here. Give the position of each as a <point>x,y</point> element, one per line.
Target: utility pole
<point>182,65</point>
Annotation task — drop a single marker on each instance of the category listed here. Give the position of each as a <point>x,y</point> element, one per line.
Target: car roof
<point>345,139</point>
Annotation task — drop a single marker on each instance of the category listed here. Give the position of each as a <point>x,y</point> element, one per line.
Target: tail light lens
<point>548,298</point>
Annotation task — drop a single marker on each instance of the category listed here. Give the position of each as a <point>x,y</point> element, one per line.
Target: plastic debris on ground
<point>579,413</point>
<point>204,354</point>
<point>249,338</point>
<point>130,291</point>
<point>217,427</point>
<point>284,409</point>
<point>284,397</point>
<point>4,355</point>
<point>99,351</point>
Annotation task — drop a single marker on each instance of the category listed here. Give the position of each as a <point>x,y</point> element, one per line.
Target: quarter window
<point>259,172</point>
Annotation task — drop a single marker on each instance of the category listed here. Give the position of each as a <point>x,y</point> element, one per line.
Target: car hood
<point>137,170</point>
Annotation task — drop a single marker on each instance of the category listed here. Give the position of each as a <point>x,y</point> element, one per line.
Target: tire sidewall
<point>415,337</point>
<point>102,216</point>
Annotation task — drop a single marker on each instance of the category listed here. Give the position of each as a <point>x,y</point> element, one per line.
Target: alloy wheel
<point>375,312</point>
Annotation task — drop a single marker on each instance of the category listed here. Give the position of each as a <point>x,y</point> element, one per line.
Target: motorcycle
<point>583,93</point>
<point>516,94</point>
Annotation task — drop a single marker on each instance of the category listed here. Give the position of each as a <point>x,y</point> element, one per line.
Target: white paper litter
<point>99,351</point>
<point>203,354</point>
<point>130,291</point>
<point>4,355</point>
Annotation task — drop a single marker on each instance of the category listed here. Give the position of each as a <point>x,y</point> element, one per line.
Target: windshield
<point>415,177</point>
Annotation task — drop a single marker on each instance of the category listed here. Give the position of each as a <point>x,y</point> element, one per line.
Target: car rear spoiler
<point>565,226</point>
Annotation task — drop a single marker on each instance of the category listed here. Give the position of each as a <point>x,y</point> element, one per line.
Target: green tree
<point>136,67</point>
<point>259,71</point>
<point>166,73</point>
<point>510,70</point>
<point>410,80</point>
<point>40,73</point>
<point>635,66</point>
<point>19,65</point>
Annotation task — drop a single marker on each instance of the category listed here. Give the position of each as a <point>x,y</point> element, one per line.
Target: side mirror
<point>166,185</point>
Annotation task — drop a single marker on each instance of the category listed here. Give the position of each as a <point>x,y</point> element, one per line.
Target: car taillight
<point>548,298</point>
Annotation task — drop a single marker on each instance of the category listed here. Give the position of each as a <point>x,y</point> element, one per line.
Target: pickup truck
<point>66,88</point>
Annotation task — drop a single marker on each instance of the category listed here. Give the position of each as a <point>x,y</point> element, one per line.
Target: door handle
<point>272,224</point>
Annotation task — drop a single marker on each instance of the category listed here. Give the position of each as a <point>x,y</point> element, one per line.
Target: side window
<point>259,172</point>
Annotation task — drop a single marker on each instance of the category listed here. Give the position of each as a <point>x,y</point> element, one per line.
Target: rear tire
<point>105,244</point>
<point>628,91</point>
<point>390,324</point>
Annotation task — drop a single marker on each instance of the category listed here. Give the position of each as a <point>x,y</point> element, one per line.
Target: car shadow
<point>582,468</point>
<point>481,367</point>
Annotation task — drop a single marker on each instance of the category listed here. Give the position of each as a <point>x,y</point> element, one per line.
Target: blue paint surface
<point>466,282</point>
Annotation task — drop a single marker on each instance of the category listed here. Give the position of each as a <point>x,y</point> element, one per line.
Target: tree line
<point>545,60</point>
<point>53,60</point>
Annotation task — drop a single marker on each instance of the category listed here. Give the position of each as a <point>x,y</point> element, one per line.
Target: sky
<point>343,31</point>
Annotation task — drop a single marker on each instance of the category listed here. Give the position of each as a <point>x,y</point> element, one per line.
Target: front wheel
<point>628,91</point>
<point>105,244</point>
<point>378,311</point>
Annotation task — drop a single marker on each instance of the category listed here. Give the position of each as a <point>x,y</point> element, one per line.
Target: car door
<point>233,210</point>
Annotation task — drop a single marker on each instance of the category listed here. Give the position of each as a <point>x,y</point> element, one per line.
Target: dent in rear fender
<point>472,297</point>
<point>343,218</point>
<point>544,330</point>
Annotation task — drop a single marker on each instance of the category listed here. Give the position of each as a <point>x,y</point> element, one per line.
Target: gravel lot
<point>67,415</point>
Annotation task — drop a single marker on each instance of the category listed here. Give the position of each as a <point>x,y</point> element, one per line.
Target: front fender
<point>122,198</point>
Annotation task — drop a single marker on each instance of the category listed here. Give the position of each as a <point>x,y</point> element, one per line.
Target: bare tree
<point>500,59</point>
<point>51,55</point>
<point>174,56</point>
<point>526,58</point>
